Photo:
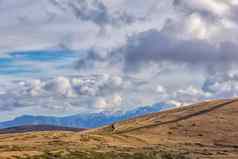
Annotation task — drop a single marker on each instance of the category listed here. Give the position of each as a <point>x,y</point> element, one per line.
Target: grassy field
<point>207,130</point>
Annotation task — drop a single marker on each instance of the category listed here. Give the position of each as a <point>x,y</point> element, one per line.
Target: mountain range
<point>90,120</point>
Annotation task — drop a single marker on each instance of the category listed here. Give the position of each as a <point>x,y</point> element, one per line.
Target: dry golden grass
<point>205,130</point>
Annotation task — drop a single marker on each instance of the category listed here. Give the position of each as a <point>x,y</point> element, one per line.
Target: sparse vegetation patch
<point>106,155</point>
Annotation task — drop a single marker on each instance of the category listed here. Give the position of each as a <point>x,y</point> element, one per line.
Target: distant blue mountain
<point>91,120</point>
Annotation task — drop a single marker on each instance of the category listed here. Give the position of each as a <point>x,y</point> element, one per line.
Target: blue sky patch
<point>26,62</point>
<point>43,55</point>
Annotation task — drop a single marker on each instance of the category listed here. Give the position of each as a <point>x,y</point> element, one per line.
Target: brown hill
<point>208,129</point>
<point>205,130</point>
<point>33,128</point>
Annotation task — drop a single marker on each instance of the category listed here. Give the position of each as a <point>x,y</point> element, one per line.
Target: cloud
<point>107,93</point>
<point>210,6</point>
<point>154,46</point>
<point>157,47</point>
<point>190,95</point>
<point>91,93</point>
<point>218,86</point>
<point>222,85</point>
<point>35,87</point>
<point>96,11</point>
<point>60,92</point>
<point>119,54</point>
<point>110,104</point>
<point>10,103</point>
<point>206,39</point>
<point>83,24</point>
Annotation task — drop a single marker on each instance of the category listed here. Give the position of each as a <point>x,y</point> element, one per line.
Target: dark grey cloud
<point>89,60</point>
<point>95,11</point>
<point>234,13</point>
<point>185,7</point>
<point>222,85</point>
<point>154,46</point>
<point>97,14</point>
<point>169,45</point>
<point>95,57</point>
<point>10,101</point>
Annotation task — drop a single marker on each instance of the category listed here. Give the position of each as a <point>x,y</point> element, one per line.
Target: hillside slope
<point>206,130</point>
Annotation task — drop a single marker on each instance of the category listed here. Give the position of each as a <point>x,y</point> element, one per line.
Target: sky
<point>63,57</point>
